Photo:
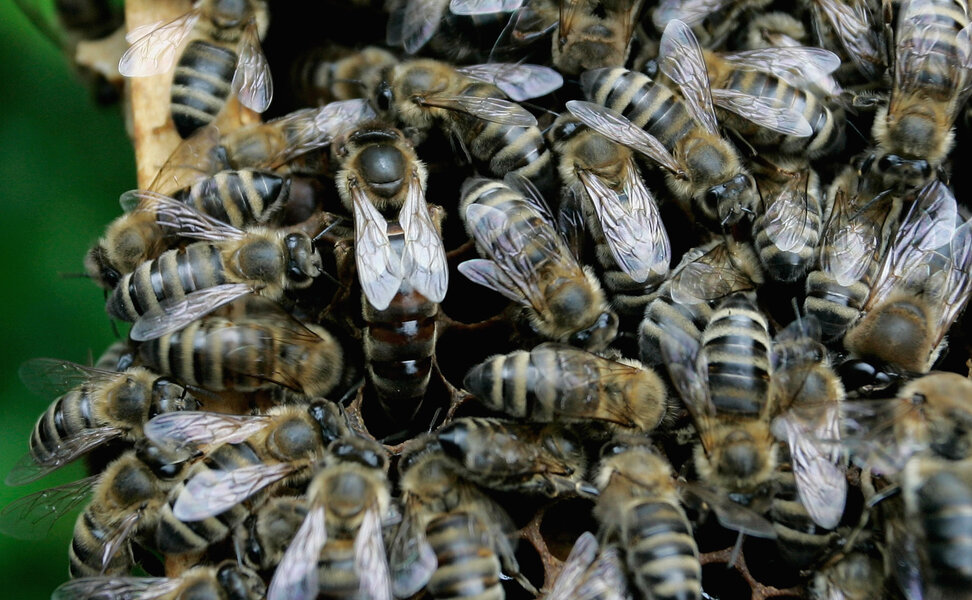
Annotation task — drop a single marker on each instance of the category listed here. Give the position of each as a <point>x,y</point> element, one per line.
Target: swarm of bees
<point>530,298</point>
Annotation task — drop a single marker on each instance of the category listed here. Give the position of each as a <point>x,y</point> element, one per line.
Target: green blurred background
<point>63,163</point>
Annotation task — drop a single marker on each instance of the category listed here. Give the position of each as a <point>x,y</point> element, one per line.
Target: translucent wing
<point>921,49</point>
<point>116,588</point>
<point>197,428</point>
<point>688,373</point>
<point>796,65</point>
<point>519,81</point>
<point>118,538</point>
<point>730,514</point>
<point>690,12</point>
<point>211,491</point>
<point>787,216</point>
<point>31,517</point>
<point>483,7</point>
<point>252,79</point>
<point>183,219</point>
<point>52,377</point>
<point>28,468</point>
<point>851,21</point>
<point>156,52</point>
<point>194,158</point>
<point>296,576</point>
<point>710,277</point>
<point>680,59</point>
<point>606,579</point>
<point>616,127</point>
<point>958,284</point>
<point>869,433</point>
<point>525,27</point>
<point>379,268</point>
<point>530,194</point>
<point>572,574</point>
<point>411,556</point>
<point>765,112</point>
<point>423,255</point>
<point>632,224</point>
<point>412,23</point>
<point>848,245</point>
<point>488,274</point>
<point>177,313</point>
<point>496,110</point>
<point>370,559</point>
<point>568,17</point>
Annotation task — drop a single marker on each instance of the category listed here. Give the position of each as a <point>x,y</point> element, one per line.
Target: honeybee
<point>913,134</point>
<point>224,56</point>
<point>94,407</point>
<point>240,197</point>
<point>799,539</point>
<point>724,381</point>
<point>450,532</point>
<point>245,456</point>
<point>226,580</point>
<point>506,455</point>
<point>498,134</point>
<point>331,72</point>
<point>125,502</point>
<point>924,283</point>
<point>602,181</point>
<point>860,33</point>
<point>787,229</point>
<point>554,382</point>
<point>347,501</point>
<point>590,572</point>
<point>529,263</point>
<point>639,508</point>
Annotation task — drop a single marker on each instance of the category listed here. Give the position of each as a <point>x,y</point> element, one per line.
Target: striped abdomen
<point>240,198</point>
<point>178,537</point>
<point>202,82</point>
<point>337,574</point>
<point>736,345</point>
<point>935,25</point>
<point>399,343</point>
<point>66,417</point>
<point>171,276</point>
<point>661,308</point>
<point>467,568</point>
<point>661,551</point>
<point>504,148</point>
<point>801,541</point>
<point>944,503</point>
<point>792,264</point>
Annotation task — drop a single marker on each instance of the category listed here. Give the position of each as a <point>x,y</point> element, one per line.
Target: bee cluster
<point>559,298</point>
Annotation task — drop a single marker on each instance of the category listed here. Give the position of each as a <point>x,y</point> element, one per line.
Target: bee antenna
<point>796,310</point>
<point>735,551</point>
<point>883,495</point>
<point>856,130</point>
<point>352,391</point>
<point>326,229</point>
<point>538,107</point>
<point>435,417</point>
<point>114,328</point>
<point>870,203</point>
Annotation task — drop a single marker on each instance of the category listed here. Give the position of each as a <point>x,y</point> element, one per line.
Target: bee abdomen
<point>690,318</point>
<point>338,576</point>
<point>662,552</point>
<point>835,306</point>
<point>67,416</point>
<point>240,198</point>
<point>945,504</point>
<point>201,84</point>
<point>87,549</point>
<point>466,568</point>
<point>801,541</point>
<point>736,347</point>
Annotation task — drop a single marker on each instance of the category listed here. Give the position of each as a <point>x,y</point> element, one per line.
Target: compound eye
<point>887,161</point>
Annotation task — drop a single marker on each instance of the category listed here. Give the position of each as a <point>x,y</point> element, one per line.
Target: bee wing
<point>334,118</point>
<point>821,484</point>
<point>212,491</point>
<point>182,218</point>
<point>680,59</point>
<point>194,158</point>
<point>796,65</point>
<point>848,244</point>
<point>423,255</point>
<point>370,559</point>
<point>531,195</point>
<point>412,23</point>
<point>52,377</point>
<point>572,574</point>
<point>156,51</point>
<point>690,12</point>
<point>730,514</point>
<point>606,579</point>
<point>687,368</point>
<point>852,22</point>
<point>631,223</point>
<point>920,50</point>
<point>570,221</point>
<point>765,112</point>
<point>379,267</point>
<point>118,538</point>
<point>525,27</point>
<point>488,274</point>
<point>868,432</point>
<point>116,588</point>
<point>176,313</point>
<point>411,556</point>
<point>519,81</point>
<point>958,285</point>
<point>496,110</point>
<point>31,517</point>
<point>295,577</point>
<point>568,10</point>
<point>616,127</point>
<point>68,449</point>
<point>483,7</point>
<point>787,216</point>
<point>252,80</point>
<point>709,277</point>
<point>178,430</point>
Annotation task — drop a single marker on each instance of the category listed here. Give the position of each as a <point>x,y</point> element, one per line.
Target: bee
<point>224,56</point>
<point>913,133</point>
<point>680,133</point>
<point>554,382</point>
<point>332,72</point>
<point>924,283</point>
<point>347,500</point>
<point>723,266</point>
<point>787,229</point>
<point>529,263</point>
<point>711,20</point>
<point>591,572</point>
<point>447,29</point>
<point>853,30</point>
<point>225,581</point>
<point>639,509</point>
<point>530,458</point>
<point>855,576</point>
<point>244,456</point>
<point>452,535</point>
<point>94,407</point>
<point>267,532</point>
<point>225,264</point>
<point>602,181</point>
<point>496,133</point>
<point>724,380</point>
